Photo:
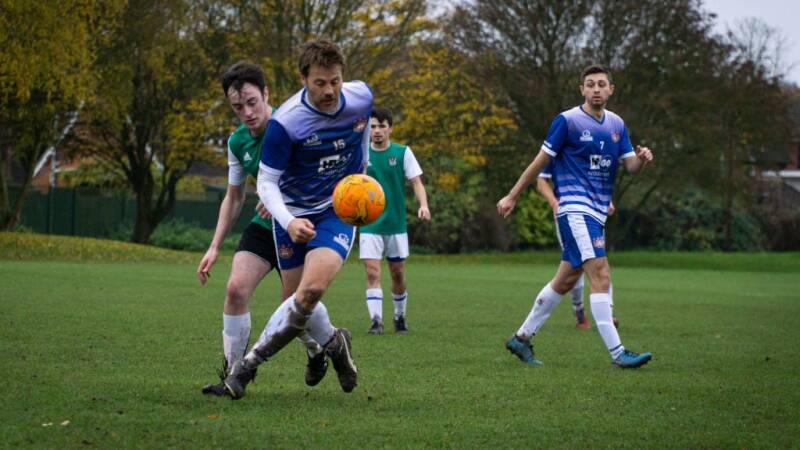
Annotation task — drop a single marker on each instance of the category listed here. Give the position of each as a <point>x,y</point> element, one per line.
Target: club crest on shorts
<point>599,242</point>
<point>360,124</point>
<point>285,251</point>
<point>392,160</point>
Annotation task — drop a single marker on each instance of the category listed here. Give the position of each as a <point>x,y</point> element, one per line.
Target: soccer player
<point>391,164</point>
<point>246,91</point>
<point>313,140</point>
<point>585,143</point>
<point>544,188</point>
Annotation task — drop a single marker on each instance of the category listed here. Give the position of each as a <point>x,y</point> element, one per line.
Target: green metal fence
<point>98,213</point>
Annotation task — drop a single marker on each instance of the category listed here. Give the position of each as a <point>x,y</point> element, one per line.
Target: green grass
<point>121,350</point>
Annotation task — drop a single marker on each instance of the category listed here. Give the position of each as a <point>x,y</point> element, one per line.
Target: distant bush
<point>693,220</point>
<point>178,234</point>
<point>33,246</point>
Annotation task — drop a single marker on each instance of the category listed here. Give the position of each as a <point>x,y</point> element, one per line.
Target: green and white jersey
<point>244,154</point>
<point>392,167</point>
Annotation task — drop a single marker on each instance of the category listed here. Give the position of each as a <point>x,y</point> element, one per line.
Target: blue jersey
<point>313,150</point>
<point>585,154</point>
<point>547,172</point>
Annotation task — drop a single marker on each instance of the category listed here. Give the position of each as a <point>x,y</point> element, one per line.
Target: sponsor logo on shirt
<point>328,162</point>
<point>360,124</point>
<point>342,239</point>
<point>312,141</point>
<point>615,137</point>
<point>392,160</point>
<point>247,157</point>
<point>285,251</point>
<point>597,162</point>
<point>586,136</point>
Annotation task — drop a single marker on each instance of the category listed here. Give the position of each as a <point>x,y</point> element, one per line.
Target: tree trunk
<point>10,217</point>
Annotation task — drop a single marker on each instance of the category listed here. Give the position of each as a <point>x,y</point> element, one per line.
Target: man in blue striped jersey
<point>585,144</point>
<point>316,138</point>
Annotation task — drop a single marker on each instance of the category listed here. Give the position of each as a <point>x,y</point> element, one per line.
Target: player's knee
<point>236,294</point>
<point>310,294</point>
<point>373,274</point>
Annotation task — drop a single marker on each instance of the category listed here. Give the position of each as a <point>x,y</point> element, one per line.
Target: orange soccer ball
<point>358,199</point>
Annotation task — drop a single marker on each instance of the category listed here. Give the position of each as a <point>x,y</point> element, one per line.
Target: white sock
<point>375,304</point>
<point>235,334</point>
<point>542,307</point>
<point>601,310</point>
<point>400,304</point>
<point>311,345</point>
<point>577,295</point>
<point>319,325</point>
<point>276,322</point>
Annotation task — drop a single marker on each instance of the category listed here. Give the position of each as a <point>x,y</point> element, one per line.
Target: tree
<point>155,108</point>
<point>372,33</point>
<point>456,126</point>
<point>46,55</point>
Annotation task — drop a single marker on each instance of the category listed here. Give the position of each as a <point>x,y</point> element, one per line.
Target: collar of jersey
<point>593,117</point>
<point>342,103</point>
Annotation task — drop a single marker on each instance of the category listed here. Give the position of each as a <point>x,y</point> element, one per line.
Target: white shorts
<point>374,246</point>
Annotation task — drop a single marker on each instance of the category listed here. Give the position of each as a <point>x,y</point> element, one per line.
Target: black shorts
<point>260,242</point>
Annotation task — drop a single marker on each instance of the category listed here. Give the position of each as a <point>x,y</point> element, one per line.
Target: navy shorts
<point>582,238</point>
<point>331,233</point>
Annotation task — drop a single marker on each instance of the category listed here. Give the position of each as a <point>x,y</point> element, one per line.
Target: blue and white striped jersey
<point>586,152</point>
<point>313,150</point>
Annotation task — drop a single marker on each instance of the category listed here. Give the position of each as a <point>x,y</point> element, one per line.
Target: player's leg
<point>576,293</point>
<point>370,247</point>
<point>253,259</point>
<point>598,271</point>
<point>549,297</point>
<point>396,253</point>
<point>322,265</point>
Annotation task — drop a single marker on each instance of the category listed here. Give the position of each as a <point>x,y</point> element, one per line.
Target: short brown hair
<point>593,69</point>
<point>322,53</point>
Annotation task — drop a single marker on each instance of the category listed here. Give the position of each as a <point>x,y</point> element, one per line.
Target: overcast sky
<point>781,14</point>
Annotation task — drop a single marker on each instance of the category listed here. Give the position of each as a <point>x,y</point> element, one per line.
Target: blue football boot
<point>522,350</point>
<point>631,360</point>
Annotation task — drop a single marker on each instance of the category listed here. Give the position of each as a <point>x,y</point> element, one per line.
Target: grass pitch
<point>114,355</point>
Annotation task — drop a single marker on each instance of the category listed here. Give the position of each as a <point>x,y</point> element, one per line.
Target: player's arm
<point>229,211</point>
<point>636,162</point>
<point>634,159</point>
<point>546,189</point>
<point>419,191</point>
<point>275,153</point>
<point>413,172</point>
<point>507,203</point>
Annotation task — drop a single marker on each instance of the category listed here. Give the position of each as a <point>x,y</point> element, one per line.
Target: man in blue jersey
<point>544,188</point>
<point>313,140</point>
<point>585,144</point>
<point>246,90</point>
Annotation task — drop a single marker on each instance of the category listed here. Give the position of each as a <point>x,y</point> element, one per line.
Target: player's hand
<point>611,208</point>
<point>506,205</point>
<point>424,213</point>
<point>644,154</point>
<point>262,210</point>
<point>204,268</point>
<point>301,230</point>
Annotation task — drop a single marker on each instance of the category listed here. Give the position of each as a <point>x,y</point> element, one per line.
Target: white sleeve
<point>270,194</point>
<point>410,165</point>
<point>365,147</point>
<point>236,175</point>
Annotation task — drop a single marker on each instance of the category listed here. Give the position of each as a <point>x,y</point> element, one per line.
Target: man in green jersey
<point>391,164</point>
<point>247,93</point>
